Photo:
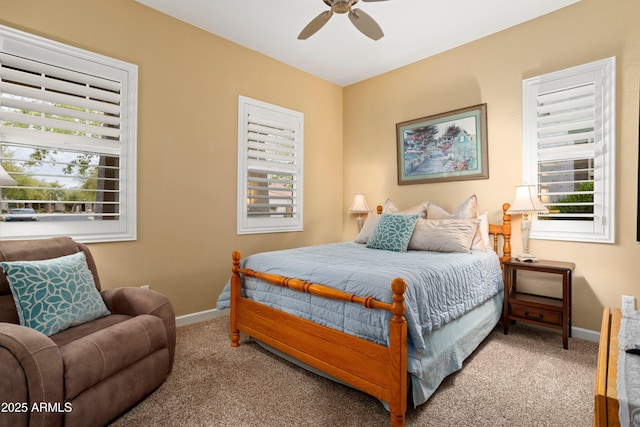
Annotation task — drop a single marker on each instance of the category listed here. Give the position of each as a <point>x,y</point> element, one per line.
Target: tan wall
<point>187,137</point>
<point>491,71</point>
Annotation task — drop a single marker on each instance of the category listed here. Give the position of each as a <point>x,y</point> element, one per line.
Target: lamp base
<point>526,258</point>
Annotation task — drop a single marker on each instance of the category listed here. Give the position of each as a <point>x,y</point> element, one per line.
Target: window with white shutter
<point>67,139</point>
<point>569,151</point>
<point>270,142</point>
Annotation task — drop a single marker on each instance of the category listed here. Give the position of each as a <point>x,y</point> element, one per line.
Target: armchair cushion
<point>136,301</point>
<point>54,294</point>
<point>97,356</point>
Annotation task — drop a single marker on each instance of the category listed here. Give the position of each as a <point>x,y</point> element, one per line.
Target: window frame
<point>601,73</point>
<point>294,122</point>
<point>35,48</point>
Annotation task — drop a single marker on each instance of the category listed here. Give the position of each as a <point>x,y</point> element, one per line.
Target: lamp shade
<point>526,200</point>
<point>5,178</point>
<point>359,204</point>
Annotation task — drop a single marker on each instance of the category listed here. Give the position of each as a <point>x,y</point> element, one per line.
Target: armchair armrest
<point>32,373</point>
<point>137,301</point>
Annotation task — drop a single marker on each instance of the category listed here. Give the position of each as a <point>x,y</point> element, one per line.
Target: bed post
<point>506,230</point>
<point>236,293</point>
<point>398,355</point>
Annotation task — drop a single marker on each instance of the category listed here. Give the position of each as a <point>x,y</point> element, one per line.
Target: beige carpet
<point>522,379</point>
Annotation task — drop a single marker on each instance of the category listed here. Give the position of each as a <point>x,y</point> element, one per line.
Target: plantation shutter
<point>53,107</point>
<point>68,130</point>
<point>52,116</point>
<point>566,152</point>
<point>269,169</point>
<point>569,151</point>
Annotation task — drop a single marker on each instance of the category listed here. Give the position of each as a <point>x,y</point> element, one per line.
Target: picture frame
<point>450,146</point>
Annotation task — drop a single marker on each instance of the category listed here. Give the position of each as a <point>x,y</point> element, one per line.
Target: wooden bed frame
<point>606,389</point>
<point>375,369</point>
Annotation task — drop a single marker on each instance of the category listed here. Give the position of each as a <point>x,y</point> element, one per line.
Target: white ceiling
<point>414,29</point>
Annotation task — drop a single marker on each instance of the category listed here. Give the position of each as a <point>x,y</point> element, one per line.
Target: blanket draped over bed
<point>441,287</point>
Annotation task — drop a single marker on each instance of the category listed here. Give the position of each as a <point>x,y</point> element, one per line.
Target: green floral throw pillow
<point>393,232</point>
<point>54,294</point>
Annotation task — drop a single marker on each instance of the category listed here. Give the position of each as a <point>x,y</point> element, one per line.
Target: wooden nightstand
<point>537,309</point>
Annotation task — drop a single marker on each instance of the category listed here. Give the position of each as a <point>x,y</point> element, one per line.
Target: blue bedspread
<point>440,287</point>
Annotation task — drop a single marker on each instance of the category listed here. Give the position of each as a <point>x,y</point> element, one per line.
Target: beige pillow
<point>420,209</point>
<point>467,210</point>
<point>444,235</point>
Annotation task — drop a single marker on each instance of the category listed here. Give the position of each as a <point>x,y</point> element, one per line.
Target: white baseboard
<point>585,334</point>
<point>199,316</point>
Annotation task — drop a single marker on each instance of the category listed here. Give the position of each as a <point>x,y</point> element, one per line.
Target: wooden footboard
<point>375,369</point>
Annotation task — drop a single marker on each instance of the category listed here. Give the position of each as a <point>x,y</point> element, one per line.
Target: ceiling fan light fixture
<point>361,20</point>
<point>342,6</point>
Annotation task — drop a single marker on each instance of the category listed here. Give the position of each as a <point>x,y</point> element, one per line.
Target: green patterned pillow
<point>393,232</point>
<point>54,294</point>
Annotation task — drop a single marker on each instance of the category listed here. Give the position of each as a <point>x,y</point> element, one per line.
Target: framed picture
<point>450,146</point>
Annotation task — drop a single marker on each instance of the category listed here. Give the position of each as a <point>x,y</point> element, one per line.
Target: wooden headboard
<point>497,231</point>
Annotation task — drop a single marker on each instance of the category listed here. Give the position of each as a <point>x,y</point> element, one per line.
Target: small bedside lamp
<point>526,203</point>
<point>359,206</point>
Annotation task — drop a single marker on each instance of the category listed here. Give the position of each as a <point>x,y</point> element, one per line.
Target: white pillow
<point>390,207</point>
<point>368,228</point>
<point>483,227</point>
<point>444,235</point>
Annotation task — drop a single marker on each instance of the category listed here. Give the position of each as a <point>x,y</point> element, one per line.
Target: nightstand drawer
<point>551,317</point>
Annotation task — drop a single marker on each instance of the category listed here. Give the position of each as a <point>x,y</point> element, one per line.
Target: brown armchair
<point>87,374</point>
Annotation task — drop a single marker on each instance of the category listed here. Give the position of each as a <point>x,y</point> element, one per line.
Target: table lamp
<point>359,206</point>
<point>526,203</point>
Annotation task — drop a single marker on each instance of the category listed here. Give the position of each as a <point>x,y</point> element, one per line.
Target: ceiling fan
<point>358,17</point>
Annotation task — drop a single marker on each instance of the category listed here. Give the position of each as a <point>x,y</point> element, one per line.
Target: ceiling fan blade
<point>366,24</point>
<point>315,24</point>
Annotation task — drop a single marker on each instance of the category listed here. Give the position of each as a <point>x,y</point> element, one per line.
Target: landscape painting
<point>444,147</point>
